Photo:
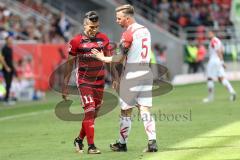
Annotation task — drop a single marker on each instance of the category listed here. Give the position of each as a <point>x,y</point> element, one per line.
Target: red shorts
<point>91,97</point>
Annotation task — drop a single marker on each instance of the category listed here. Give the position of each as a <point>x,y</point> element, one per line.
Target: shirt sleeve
<point>127,39</point>
<point>108,50</point>
<point>216,44</point>
<point>126,42</point>
<point>72,47</point>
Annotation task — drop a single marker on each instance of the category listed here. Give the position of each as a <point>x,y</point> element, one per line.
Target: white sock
<point>149,125</point>
<point>227,84</point>
<point>125,127</point>
<point>210,85</point>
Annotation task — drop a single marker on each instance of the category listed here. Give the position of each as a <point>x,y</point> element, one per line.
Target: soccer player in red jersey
<point>90,76</point>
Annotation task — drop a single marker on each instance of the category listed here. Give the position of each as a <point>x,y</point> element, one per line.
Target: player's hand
<point>97,54</point>
<point>115,85</point>
<point>8,69</point>
<point>224,66</point>
<point>64,96</point>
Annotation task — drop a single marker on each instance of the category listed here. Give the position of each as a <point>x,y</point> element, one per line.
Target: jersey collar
<point>130,26</point>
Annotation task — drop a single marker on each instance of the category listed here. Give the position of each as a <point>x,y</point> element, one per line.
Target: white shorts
<point>134,93</point>
<point>215,69</point>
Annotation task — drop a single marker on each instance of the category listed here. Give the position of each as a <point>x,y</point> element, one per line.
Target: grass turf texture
<point>32,131</point>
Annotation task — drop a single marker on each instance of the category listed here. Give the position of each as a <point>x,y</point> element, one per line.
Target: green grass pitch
<point>198,131</point>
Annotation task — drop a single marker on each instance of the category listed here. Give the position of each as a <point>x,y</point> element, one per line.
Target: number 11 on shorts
<point>88,99</point>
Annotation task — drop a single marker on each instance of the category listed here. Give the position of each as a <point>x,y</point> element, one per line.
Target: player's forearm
<point>107,59</point>
<point>114,58</point>
<point>68,70</point>
<point>220,55</point>
<point>117,58</point>
<point>114,72</point>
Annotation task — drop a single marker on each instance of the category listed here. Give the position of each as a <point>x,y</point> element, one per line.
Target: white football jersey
<point>140,43</point>
<point>137,78</point>
<point>214,45</point>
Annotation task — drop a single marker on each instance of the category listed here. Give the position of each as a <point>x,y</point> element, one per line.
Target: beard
<point>91,35</point>
<point>121,25</point>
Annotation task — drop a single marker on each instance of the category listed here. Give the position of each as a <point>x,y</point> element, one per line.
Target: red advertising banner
<point>45,59</point>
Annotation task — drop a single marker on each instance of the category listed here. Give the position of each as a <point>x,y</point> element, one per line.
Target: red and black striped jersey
<point>90,70</point>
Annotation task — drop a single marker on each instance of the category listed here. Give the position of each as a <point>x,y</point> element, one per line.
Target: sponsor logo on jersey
<point>100,43</point>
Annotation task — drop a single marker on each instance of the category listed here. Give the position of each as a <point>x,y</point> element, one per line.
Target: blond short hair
<point>127,9</point>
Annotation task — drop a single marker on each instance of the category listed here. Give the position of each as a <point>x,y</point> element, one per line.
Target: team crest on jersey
<point>100,44</point>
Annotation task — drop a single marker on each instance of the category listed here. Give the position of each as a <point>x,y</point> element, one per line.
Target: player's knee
<point>143,109</point>
<point>220,79</point>
<point>96,112</point>
<point>126,113</point>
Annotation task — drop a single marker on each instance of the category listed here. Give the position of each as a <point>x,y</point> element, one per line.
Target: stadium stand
<point>190,16</point>
<point>31,20</point>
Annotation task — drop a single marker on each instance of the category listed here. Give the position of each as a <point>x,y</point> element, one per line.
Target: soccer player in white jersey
<point>215,68</point>
<point>136,47</point>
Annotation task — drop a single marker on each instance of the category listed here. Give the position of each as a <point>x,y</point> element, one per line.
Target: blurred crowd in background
<point>192,12</point>
<point>56,29</point>
<point>172,14</point>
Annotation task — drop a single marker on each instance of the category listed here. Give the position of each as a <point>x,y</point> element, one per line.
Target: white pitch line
<point>24,115</point>
<point>27,114</point>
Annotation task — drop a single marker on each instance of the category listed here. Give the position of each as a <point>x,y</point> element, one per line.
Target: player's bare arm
<point>115,76</point>
<point>220,55</point>
<point>67,75</point>
<point>115,58</point>
<point>99,55</point>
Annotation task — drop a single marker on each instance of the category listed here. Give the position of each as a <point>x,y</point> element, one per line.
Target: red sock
<point>88,124</point>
